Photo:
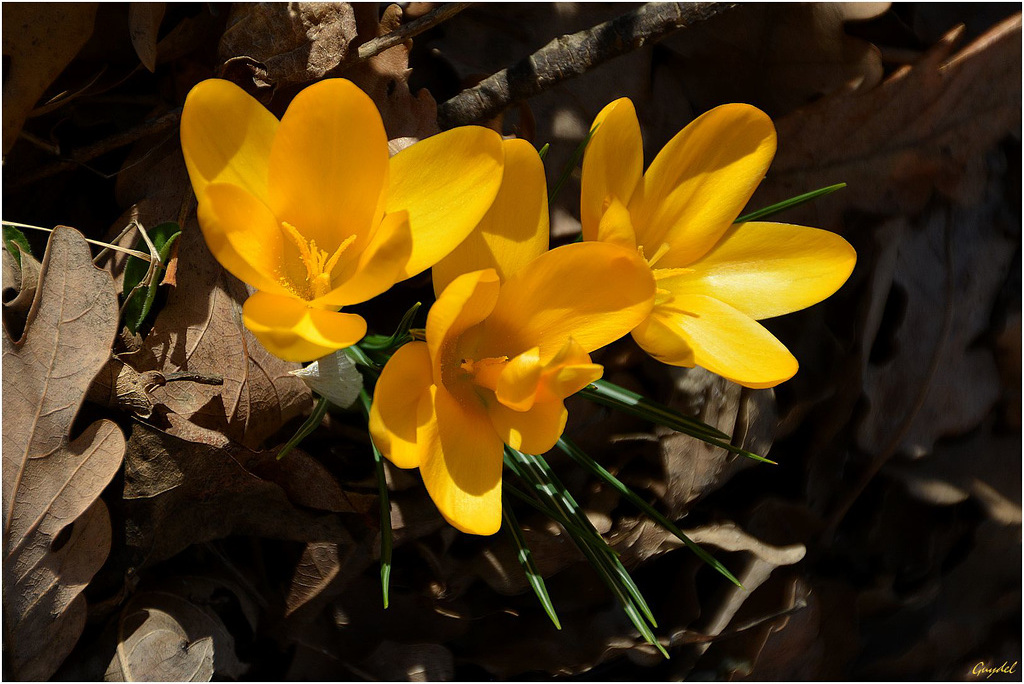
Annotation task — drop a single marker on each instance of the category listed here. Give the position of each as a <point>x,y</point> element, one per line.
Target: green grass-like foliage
<point>139,298</point>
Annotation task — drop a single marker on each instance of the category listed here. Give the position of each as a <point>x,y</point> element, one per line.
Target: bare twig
<point>89,152</point>
<point>413,28</point>
<point>572,55</point>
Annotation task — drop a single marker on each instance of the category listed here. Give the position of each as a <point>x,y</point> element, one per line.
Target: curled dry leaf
<point>163,637</point>
<point>394,662</point>
<point>776,56</point>
<point>19,283</point>
<point>56,531</point>
<point>180,493</point>
<point>385,78</point>
<point>297,42</point>
<point>39,43</point>
<point>144,27</point>
<point>930,305</point>
<point>920,130</point>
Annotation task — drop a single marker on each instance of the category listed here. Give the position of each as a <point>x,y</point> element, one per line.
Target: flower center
<point>485,372</point>
<point>318,265</point>
<point>656,257</point>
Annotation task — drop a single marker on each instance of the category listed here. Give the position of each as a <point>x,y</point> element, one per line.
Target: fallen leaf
<point>56,531</point>
<point>20,280</point>
<point>385,78</point>
<point>921,130</point>
<point>178,493</point>
<point>394,662</point>
<point>144,26</point>
<point>163,637</point>
<point>775,56</point>
<point>40,41</point>
<point>930,306</point>
<point>297,42</point>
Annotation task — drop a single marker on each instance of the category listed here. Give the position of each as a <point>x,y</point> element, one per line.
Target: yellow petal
<point>612,163</point>
<point>517,384</point>
<point>591,291</point>
<point>244,237</point>
<point>468,300</point>
<point>226,137</point>
<point>515,229</point>
<point>402,421</point>
<point>769,269</point>
<point>525,380</point>
<point>294,332</point>
<point>698,330</point>
<point>329,164</point>
<point>376,269</point>
<point>535,431</point>
<point>616,226</point>
<point>463,474</point>
<point>701,180</point>
<point>447,183</point>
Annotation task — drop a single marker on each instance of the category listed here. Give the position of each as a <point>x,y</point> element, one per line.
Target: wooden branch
<point>572,55</point>
<point>407,31</point>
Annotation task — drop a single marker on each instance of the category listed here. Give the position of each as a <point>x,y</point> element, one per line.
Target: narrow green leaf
<point>533,575</point>
<point>385,509</point>
<point>547,484</point>
<point>594,467</point>
<point>573,162</point>
<point>307,428</point>
<point>16,243</point>
<point>139,301</point>
<point>387,343</point>
<point>789,203</point>
<point>611,395</point>
<point>543,152</point>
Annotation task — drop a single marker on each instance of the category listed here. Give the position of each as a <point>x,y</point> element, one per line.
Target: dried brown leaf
<point>394,662</point>
<point>144,26</point>
<point>920,130</point>
<point>932,292</point>
<point>40,40</point>
<point>776,56</point>
<point>180,493</point>
<point>56,531</point>
<point>19,283</point>
<point>164,637</point>
<point>298,42</point>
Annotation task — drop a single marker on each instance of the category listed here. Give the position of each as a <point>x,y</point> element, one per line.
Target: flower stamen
<point>485,372</point>
<point>318,265</point>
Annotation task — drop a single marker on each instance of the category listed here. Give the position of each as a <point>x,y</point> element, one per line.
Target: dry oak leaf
<point>56,531</point>
<point>298,42</point>
<point>41,40</point>
<point>893,145</point>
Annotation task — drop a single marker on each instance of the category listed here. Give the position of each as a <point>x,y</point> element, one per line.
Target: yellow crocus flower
<point>715,279</point>
<point>311,211</point>
<point>504,347</point>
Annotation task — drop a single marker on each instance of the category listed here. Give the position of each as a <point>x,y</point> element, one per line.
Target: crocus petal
<point>226,137</point>
<point>468,300</point>
<point>243,236</point>
<point>329,164</point>
<point>463,474</point>
<point>616,225</point>
<point>517,384</point>
<point>535,431</point>
<point>402,421</point>
<point>447,183</point>
<point>769,269</point>
<point>612,163</point>
<point>700,181</point>
<point>590,291</point>
<point>377,268</point>
<point>698,330</point>
<point>515,229</point>
<point>292,331</point>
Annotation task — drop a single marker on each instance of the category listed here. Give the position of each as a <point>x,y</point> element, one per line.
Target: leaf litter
<point>894,512</point>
